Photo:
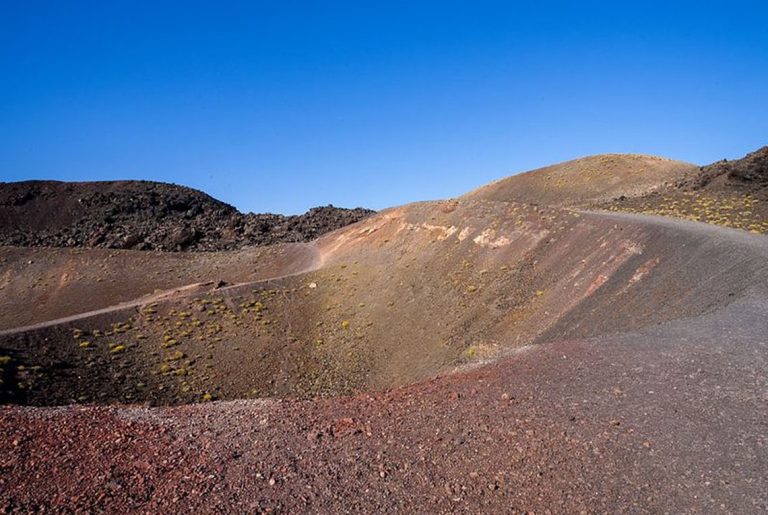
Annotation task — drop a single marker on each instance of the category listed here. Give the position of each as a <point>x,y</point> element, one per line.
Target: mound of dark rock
<point>147,216</point>
<point>748,175</point>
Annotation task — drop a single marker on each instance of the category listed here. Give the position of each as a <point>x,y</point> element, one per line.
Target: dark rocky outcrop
<point>146,215</point>
<point>748,175</point>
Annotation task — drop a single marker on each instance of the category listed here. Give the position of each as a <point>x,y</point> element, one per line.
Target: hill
<point>145,215</point>
<point>747,176</point>
<point>587,180</point>
<point>729,193</point>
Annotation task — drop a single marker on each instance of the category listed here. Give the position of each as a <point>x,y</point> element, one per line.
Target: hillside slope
<point>587,180</point>
<point>748,176</point>
<point>729,193</point>
<point>146,215</point>
<point>405,295</point>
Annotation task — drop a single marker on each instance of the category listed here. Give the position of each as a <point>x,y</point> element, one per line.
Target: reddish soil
<point>647,423</point>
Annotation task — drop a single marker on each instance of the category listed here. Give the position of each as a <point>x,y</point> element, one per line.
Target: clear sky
<point>279,106</point>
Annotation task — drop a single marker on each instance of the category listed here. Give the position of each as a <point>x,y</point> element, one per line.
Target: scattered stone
<point>145,215</point>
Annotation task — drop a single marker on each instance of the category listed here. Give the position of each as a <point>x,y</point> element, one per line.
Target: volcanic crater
<point>548,295</point>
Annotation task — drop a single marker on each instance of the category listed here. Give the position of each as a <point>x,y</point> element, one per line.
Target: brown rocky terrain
<point>748,176</point>
<point>146,215</point>
<point>728,193</point>
<point>588,180</point>
<point>494,353</point>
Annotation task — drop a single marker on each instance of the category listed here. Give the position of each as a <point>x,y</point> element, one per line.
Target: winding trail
<point>319,257</point>
<point>188,290</point>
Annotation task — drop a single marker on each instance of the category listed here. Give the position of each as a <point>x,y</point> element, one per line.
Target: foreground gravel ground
<point>672,420</point>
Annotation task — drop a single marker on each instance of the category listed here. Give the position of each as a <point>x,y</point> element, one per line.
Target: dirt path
<point>316,261</point>
<point>306,265</point>
<point>718,233</point>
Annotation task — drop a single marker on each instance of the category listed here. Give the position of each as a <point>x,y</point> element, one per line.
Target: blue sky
<point>280,106</point>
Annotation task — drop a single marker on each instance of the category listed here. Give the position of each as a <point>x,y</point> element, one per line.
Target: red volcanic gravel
<point>644,423</point>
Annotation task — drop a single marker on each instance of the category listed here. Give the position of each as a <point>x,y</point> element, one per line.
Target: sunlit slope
<point>587,180</point>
